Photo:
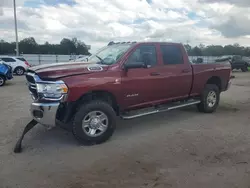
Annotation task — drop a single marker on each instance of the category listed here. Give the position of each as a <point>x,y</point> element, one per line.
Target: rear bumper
<point>45,113</point>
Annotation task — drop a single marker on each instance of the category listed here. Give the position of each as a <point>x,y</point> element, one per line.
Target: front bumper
<point>45,113</point>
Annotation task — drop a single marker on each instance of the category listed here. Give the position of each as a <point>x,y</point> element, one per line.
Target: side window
<point>144,53</point>
<point>171,54</point>
<point>22,59</point>
<point>7,59</point>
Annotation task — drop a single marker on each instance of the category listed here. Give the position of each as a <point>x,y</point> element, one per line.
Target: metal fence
<point>211,59</point>
<point>37,59</point>
<point>206,59</point>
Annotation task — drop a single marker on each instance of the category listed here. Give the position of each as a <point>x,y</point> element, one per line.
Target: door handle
<point>185,71</point>
<point>154,74</point>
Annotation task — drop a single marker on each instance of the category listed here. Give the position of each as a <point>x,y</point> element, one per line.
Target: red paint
<point>173,82</point>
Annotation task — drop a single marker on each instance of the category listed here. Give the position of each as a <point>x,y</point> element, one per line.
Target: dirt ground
<point>181,148</point>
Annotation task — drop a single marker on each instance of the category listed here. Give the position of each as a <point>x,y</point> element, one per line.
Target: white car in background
<point>19,64</point>
<point>82,58</point>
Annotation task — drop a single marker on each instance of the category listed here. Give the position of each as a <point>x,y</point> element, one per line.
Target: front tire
<point>94,123</point>
<point>2,80</point>
<point>209,99</point>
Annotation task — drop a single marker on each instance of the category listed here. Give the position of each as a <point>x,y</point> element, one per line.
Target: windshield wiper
<point>101,60</point>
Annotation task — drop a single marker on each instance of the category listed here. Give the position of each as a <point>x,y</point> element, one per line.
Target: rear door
<point>140,86</point>
<point>176,72</point>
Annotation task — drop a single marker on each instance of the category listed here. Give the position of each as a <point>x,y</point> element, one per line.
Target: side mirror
<point>135,65</point>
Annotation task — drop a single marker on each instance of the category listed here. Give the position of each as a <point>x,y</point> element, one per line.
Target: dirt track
<point>182,148</point>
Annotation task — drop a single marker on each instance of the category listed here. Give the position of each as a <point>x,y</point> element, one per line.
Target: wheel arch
<point>216,80</point>
<point>68,110</point>
<point>18,67</point>
<point>100,95</point>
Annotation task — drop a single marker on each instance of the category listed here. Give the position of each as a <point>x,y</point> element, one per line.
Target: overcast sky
<point>96,22</point>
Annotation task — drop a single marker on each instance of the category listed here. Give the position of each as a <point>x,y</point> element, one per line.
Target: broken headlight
<point>52,90</point>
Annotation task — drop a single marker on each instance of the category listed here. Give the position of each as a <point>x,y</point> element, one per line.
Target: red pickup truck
<point>126,80</point>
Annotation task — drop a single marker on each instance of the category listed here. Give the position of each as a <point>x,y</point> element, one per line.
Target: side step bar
<point>161,109</point>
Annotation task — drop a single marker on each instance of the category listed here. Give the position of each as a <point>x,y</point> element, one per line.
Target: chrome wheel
<point>1,81</point>
<point>211,99</point>
<point>95,123</point>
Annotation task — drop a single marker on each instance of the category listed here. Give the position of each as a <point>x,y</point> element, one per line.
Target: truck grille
<point>32,85</point>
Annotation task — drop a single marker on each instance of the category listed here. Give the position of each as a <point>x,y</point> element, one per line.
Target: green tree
<point>196,51</point>
<point>67,46</point>
<point>188,48</point>
<point>75,46</point>
<point>28,45</point>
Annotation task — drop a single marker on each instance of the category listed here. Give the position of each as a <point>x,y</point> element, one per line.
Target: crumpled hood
<point>58,70</point>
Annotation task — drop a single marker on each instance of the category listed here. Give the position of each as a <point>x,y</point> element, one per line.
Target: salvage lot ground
<point>182,148</point>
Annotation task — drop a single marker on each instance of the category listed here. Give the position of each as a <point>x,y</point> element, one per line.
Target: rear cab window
<point>144,53</point>
<point>171,55</point>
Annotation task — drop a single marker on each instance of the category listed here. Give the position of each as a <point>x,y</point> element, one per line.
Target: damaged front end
<point>47,97</point>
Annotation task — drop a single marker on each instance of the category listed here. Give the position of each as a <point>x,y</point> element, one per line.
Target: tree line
<point>30,46</point>
<point>217,50</point>
<point>75,46</point>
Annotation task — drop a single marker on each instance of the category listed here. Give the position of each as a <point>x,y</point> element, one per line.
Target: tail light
<point>26,63</point>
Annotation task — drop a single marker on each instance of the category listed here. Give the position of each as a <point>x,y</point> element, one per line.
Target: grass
<point>248,68</point>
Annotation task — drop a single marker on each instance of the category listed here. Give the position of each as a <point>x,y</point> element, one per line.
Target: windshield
<point>109,55</point>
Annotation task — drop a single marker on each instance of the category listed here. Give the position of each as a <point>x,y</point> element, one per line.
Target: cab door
<point>176,72</point>
<point>140,86</point>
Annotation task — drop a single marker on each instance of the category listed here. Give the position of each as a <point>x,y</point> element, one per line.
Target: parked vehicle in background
<point>19,64</point>
<point>247,59</point>
<point>128,80</point>
<point>237,62</point>
<point>5,73</point>
<point>80,58</point>
<point>197,61</point>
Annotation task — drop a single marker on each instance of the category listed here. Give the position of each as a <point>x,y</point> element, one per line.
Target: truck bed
<point>203,72</point>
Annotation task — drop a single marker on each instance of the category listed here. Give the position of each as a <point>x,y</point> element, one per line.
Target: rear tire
<point>2,80</point>
<point>244,69</point>
<point>90,118</point>
<point>19,71</point>
<point>209,99</point>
